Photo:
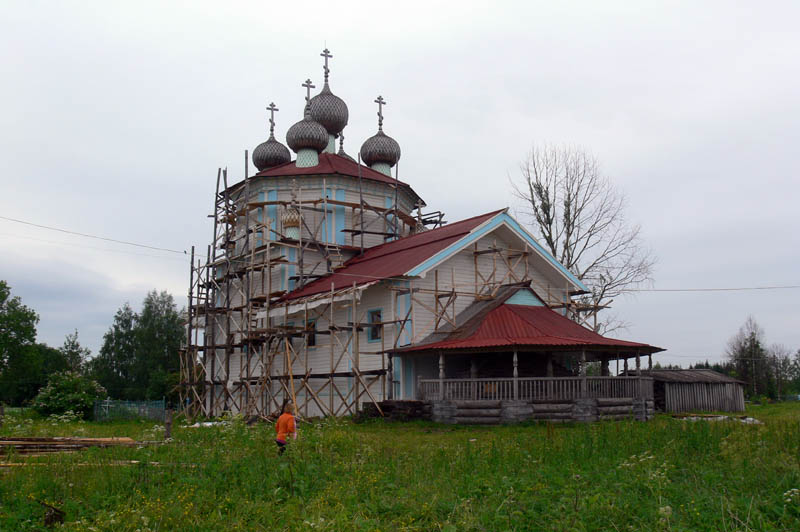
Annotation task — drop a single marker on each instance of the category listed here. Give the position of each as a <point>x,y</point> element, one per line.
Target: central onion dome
<point>307,134</point>
<point>271,152</point>
<point>380,152</point>
<point>329,110</point>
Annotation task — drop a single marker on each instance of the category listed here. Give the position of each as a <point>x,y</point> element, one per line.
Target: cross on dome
<point>272,110</point>
<point>381,102</point>
<point>327,55</point>
<point>307,84</point>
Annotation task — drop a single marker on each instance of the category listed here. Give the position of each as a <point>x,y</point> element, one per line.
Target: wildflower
<point>665,511</point>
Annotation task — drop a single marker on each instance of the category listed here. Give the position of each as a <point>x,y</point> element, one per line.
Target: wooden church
<point>327,280</point>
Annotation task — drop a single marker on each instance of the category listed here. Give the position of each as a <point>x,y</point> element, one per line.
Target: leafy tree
<point>749,359</point>
<point>17,325</point>
<point>113,368</point>
<point>580,217</point>
<point>783,368</point>
<point>74,353</point>
<point>27,371</point>
<point>138,359</point>
<point>68,391</point>
<point>795,373</point>
<point>159,335</point>
<point>658,365</point>
<point>24,365</point>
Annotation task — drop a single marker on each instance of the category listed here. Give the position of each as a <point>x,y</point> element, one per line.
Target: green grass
<point>662,475</point>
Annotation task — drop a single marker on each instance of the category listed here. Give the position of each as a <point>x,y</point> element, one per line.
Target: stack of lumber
<point>397,410</point>
<point>39,446</point>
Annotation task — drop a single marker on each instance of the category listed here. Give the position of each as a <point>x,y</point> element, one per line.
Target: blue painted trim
<point>260,218</point>
<point>340,196</point>
<point>479,232</point>
<point>408,377</point>
<point>397,369</point>
<point>389,223</point>
<point>525,297</point>
<point>327,227</point>
<point>407,329</point>
<point>370,311</point>
<point>292,268</point>
<point>406,201</point>
<point>272,213</point>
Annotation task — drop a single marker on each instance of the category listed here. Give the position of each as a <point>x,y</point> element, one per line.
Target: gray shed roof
<point>688,375</point>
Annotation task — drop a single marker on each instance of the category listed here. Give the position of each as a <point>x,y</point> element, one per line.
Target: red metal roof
<point>330,163</point>
<point>392,259</point>
<point>520,326</point>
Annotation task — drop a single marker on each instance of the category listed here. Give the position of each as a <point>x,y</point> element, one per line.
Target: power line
<point>69,244</point>
<point>93,236</point>
<point>558,289</point>
<point>725,289</point>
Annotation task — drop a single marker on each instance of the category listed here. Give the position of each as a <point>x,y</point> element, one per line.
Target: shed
<point>686,390</point>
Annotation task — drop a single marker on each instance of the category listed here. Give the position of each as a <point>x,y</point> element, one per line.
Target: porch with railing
<point>535,388</point>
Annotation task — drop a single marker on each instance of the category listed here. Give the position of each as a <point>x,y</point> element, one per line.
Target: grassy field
<point>667,474</point>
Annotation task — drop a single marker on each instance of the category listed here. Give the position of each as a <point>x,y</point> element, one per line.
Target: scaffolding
<point>241,350</point>
<point>244,354</point>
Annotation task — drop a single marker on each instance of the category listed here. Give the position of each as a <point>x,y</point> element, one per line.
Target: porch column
<point>604,370</point>
<point>650,361</point>
<point>638,374</point>
<point>549,365</point>
<point>516,377</point>
<point>441,376</point>
<point>390,375</point>
<point>583,374</point>
<point>473,374</point>
<point>625,367</point>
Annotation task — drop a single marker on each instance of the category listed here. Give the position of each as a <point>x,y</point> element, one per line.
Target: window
<point>311,337</point>
<point>374,332</point>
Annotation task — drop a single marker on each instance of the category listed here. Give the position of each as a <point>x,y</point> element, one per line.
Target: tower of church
<point>296,218</point>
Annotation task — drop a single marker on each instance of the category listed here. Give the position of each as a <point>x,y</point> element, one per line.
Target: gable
<point>525,298</point>
<point>393,259</point>
<point>505,223</point>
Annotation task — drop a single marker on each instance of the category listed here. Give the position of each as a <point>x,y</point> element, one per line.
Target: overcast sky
<point>116,116</point>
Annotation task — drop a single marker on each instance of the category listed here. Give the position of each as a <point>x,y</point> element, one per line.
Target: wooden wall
<point>688,397</point>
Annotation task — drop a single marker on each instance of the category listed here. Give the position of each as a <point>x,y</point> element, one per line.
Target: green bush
<point>68,391</point>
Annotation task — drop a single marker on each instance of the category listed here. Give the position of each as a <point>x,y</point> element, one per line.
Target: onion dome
<point>307,134</point>
<point>327,108</point>
<point>341,148</point>
<point>271,152</point>
<point>380,149</point>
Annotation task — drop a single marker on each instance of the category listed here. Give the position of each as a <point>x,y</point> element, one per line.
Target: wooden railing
<point>535,388</point>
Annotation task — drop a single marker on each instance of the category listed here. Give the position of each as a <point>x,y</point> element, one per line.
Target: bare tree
<point>748,355</point>
<point>580,217</point>
<point>780,359</point>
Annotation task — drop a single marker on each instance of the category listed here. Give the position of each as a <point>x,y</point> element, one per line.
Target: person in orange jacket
<point>284,427</point>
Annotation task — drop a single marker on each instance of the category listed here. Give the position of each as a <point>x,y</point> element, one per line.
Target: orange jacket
<point>284,427</point>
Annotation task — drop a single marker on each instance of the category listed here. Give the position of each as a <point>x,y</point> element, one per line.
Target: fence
<point>535,388</point>
<point>109,409</point>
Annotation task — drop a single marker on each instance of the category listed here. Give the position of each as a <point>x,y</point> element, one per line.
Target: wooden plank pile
<point>397,410</point>
<point>40,446</point>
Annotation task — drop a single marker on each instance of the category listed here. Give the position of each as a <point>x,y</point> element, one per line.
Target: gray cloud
<point>117,115</point>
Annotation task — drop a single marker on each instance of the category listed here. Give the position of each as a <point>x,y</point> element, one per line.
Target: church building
<point>328,281</point>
